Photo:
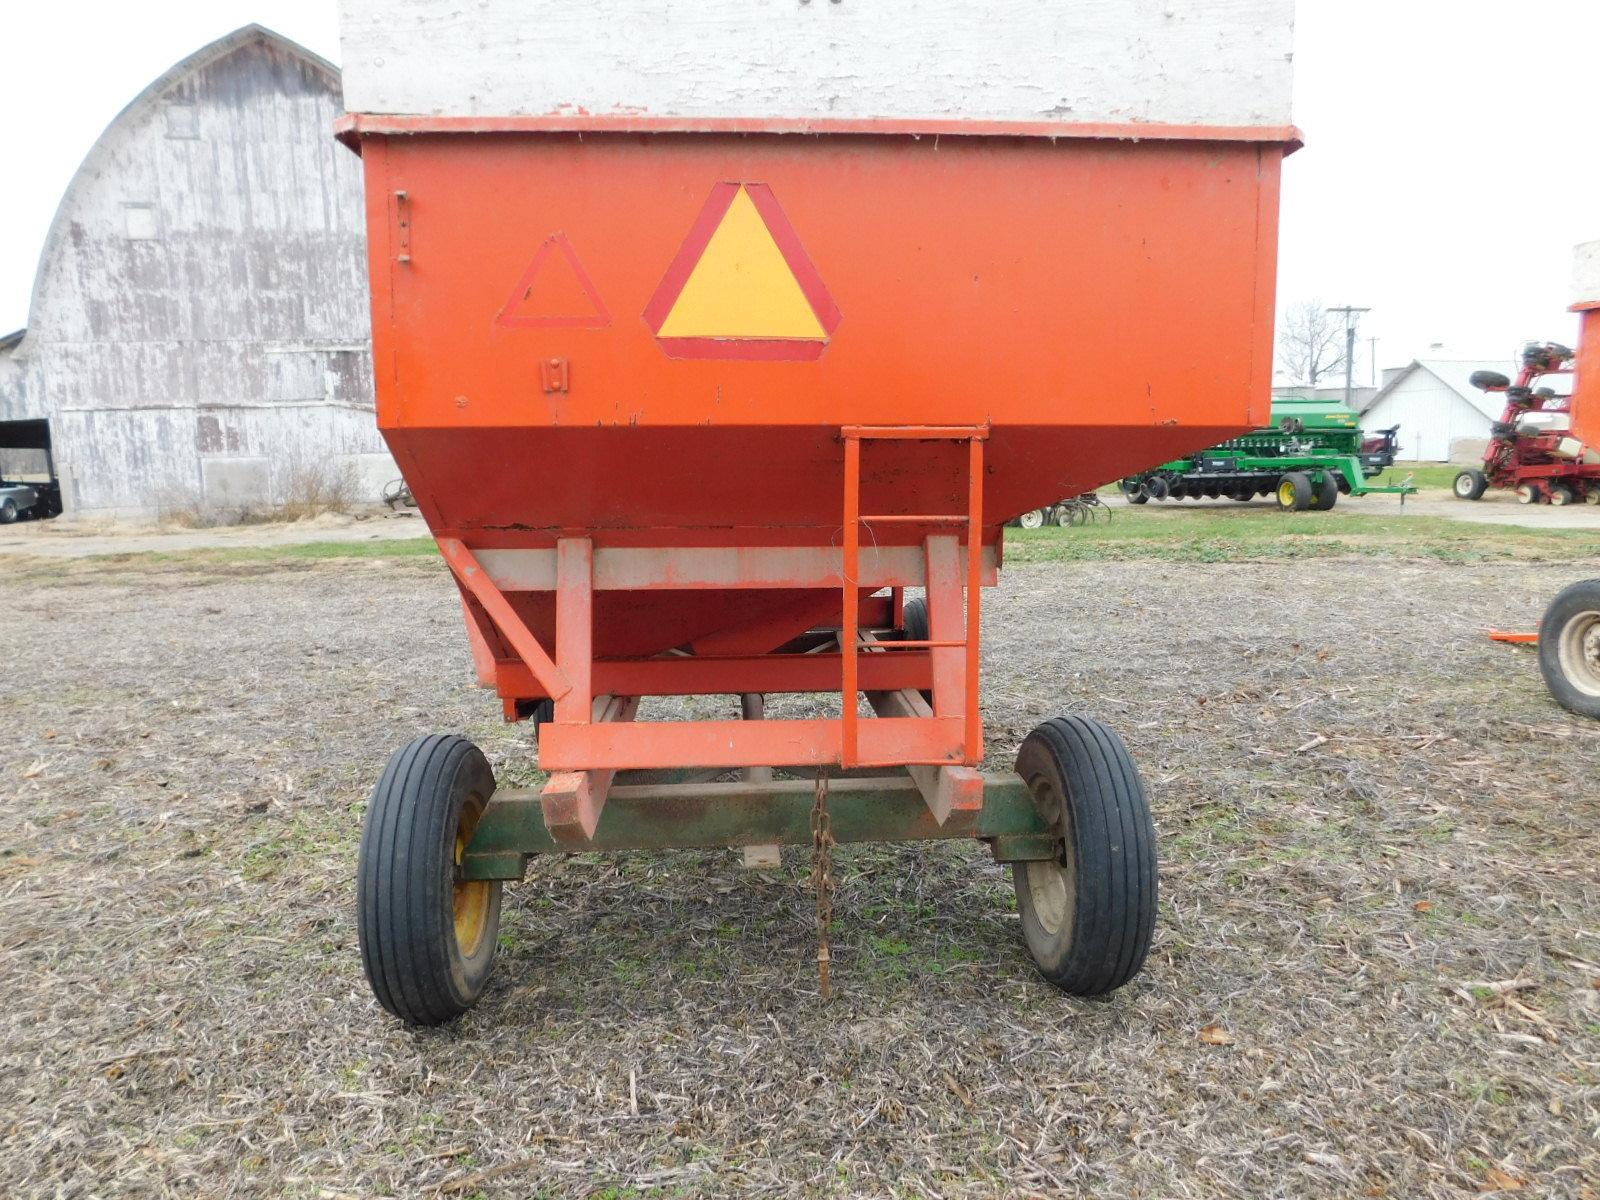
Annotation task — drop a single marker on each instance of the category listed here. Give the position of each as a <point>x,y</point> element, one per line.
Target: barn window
<point>183,121</point>
<point>140,221</point>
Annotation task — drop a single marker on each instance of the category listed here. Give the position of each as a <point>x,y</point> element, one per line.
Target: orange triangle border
<point>599,319</point>
<point>794,255</point>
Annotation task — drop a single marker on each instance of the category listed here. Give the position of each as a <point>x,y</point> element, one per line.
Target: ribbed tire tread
<point>1115,848</point>
<point>407,937</point>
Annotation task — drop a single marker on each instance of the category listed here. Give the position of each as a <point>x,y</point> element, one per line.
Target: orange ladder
<point>850,633</point>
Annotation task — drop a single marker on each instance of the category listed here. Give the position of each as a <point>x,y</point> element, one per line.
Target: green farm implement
<point>1312,452</point>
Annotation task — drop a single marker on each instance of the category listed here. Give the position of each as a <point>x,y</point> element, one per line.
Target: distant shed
<point>199,327</point>
<point>1442,417</point>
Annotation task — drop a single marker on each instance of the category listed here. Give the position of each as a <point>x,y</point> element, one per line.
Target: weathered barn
<point>199,327</point>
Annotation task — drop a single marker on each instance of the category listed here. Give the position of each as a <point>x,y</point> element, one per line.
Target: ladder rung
<point>917,518</point>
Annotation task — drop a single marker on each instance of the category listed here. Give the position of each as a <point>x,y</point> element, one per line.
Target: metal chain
<point>822,873</point>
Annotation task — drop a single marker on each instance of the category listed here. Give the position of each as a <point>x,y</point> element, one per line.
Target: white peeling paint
<point>233,329</point>
<point>1206,62</point>
<point>1586,274</point>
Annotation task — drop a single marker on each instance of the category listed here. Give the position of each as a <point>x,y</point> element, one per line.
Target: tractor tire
<point>1527,493</point>
<point>1157,488</point>
<point>1325,494</point>
<point>427,937</point>
<point>9,511</point>
<point>1470,484</point>
<point>1138,497</point>
<point>1133,489</point>
<point>1295,492</point>
<point>1032,519</point>
<point>1569,648</point>
<point>1561,495</point>
<point>1087,916</point>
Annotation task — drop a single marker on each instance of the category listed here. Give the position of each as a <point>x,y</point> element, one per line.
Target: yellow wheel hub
<point>1286,493</point>
<point>471,896</point>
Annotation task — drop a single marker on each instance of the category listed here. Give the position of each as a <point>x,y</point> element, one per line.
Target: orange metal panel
<point>1096,305</point>
<point>1586,388</point>
<point>883,740</point>
<point>353,126</point>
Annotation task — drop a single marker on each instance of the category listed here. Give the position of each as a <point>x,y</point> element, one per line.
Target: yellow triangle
<point>742,287</point>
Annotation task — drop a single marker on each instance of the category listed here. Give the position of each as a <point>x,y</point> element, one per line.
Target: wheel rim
<point>1526,495</point>
<point>1578,650</point>
<point>1286,493</point>
<point>471,896</point>
<point>1463,485</point>
<point>1053,883</point>
<point>1032,520</point>
<point>1560,497</point>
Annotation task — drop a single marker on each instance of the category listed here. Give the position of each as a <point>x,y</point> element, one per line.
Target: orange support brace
<point>471,575</point>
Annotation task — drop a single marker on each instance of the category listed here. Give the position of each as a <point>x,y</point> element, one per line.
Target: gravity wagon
<point>717,346</point>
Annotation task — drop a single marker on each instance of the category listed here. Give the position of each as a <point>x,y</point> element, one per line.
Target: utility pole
<point>1352,318</point>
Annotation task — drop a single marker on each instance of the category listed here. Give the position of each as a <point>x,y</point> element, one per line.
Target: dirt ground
<point>1376,973</point>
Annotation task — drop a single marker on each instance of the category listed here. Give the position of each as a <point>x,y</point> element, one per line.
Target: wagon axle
<point>440,842</point>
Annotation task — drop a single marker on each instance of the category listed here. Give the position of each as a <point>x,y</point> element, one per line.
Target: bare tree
<point>1310,342</point>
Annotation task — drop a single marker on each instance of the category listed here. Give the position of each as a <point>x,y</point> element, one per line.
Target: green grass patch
<point>375,548</point>
<point>1221,534</point>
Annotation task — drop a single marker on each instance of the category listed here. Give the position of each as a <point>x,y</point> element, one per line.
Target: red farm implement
<point>1532,448</point>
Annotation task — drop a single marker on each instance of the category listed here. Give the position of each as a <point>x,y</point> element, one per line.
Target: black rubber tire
<point>1083,777</point>
<point>1569,648</point>
<point>1560,495</point>
<point>914,622</point>
<point>1157,488</point>
<point>1470,484</point>
<point>1138,497</point>
<point>1325,494</point>
<point>405,886</point>
<point>8,511</point>
<point>1299,492</point>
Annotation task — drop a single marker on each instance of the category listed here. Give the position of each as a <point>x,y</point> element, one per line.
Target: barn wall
<point>1434,420</point>
<point>203,297</point>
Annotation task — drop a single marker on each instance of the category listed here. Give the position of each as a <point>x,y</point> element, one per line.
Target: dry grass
<point>1375,973</point>
<point>309,488</point>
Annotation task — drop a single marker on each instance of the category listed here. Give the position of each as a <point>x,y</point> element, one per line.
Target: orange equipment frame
<point>631,515</point>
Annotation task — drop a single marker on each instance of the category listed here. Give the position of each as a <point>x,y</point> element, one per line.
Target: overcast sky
<point>1451,159</point>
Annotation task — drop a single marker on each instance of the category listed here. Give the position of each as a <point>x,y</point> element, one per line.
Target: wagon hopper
<point>717,347</point>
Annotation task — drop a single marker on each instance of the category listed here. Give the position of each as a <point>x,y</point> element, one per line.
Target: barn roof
<point>1455,374</point>
<point>136,109</point>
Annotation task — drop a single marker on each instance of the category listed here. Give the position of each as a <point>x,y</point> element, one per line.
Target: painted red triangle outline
<point>794,255</point>
<point>598,319</point>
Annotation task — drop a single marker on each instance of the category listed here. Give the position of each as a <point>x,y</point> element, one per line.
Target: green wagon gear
<point>1313,451</point>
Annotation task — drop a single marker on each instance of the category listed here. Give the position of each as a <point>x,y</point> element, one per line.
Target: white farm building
<point>1442,417</point>
<point>199,326</point>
